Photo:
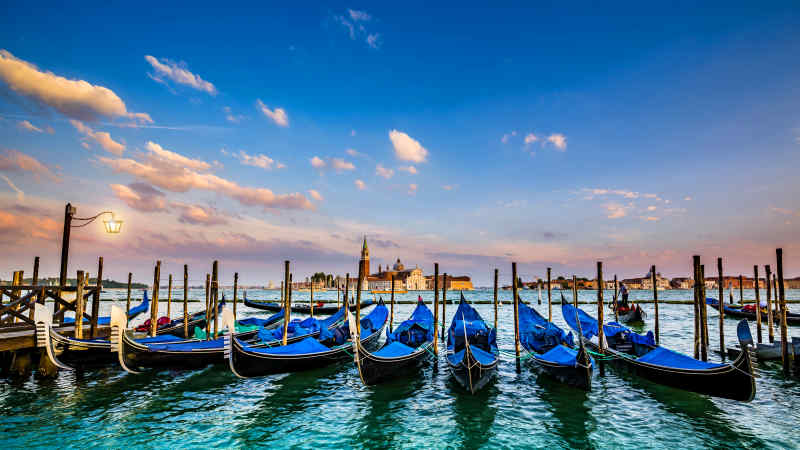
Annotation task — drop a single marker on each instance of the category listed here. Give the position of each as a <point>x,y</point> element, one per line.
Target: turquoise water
<point>330,408</point>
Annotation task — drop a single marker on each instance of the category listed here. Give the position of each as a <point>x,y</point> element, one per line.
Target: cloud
<point>13,160</point>
<point>177,173</point>
<point>140,196</point>
<point>558,140</point>
<point>352,132</point>
<point>506,137</point>
<point>359,15</point>
<point>530,138</point>
<point>360,185</point>
<point>27,126</point>
<point>354,22</point>
<point>101,137</point>
<point>449,187</point>
<point>384,172</point>
<point>230,117</point>
<point>615,210</point>
<point>178,74</point>
<point>277,115</point>
<point>340,164</point>
<point>315,195</point>
<point>262,161</point>
<point>651,208</point>
<point>77,99</point>
<point>407,148</point>
<point>20,194</point>
<point>410,169</point>
<point>162,155</point>
<point>687,198</point>
<point>593,192</point>
<point>412,189</point>
<point>651,218</point>
<point>317,163</point>
<point>353,152</point>
<point>200,215</point>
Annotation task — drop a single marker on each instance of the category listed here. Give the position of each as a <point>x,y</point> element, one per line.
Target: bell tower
<point>365,258</point>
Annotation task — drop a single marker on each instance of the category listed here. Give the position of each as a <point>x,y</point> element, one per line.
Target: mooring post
<point>697,331</point>
<point>770,325</point>
<point>186,301</point>
<point>34,282</point>
<point>549,298</point>
<point>782,299</point>
<point>96,299</point>
<point>703,315</point>
<point>154,307</point>
<point>78,333</point>
<point>741,290</point>
<point>495,300</point>
<point>209,306</point>
<point>311,298</point>
<point>758,303</point>
<point>616,303</point>
<point>287,307</point>
<point>444,303</point>
<point>601,336</point>
<point>391,302</point>
<point>436,308</point>
<point>215,294</point>
<point>516,311</point>
<point>338,288</point>
<point>128,296</point>
<point>361,277</point>
<point>539,287</point>
<point>169,298</point>
<point>655,299</point>
<point>721,302</point>
<point>235,292</point>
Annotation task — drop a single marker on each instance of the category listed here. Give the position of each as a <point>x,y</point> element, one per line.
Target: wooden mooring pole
<point>741,290</point>
<point>169,297</point>
<point>495,299</point>
<point>758,303</point>
<point>655,300</point>
<point>697,331</point>
<point>770,325</point>
<point>186,301</point>
<point>96,299</point>
<point>311,298</point>
<point>208,305</point>
<point>703,315</point>
<point>782,300</point>
<point>435,308</point>
<point>235,292</point>
<point>154,306</point>
<point>128,297</point>
<point>516,312</point>
<point>361,277</point>
<point>287,307</point>
<point>215,294</point>
<point>601,336</point>
<point>721,288</point>
<point>391,303</point>
<point>444,303</point>
<point>549,298</point>
<point>79,306</point>
<point>616,303</point>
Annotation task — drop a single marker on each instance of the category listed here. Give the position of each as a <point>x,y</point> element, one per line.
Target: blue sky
<point>653,133</point>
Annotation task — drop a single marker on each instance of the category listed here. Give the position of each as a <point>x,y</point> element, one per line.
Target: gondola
<point>330,346</point>
<point>68,352</point>
<point>319,308</point>
<point>472,352</point>
<point>405,347</point>
<point>740,312</point>
<point>632,315</point>
<point>552,351</point>
<point>105,320</point>
<point>196,353</point>
<point>766,351</point>
<point>641,355</point>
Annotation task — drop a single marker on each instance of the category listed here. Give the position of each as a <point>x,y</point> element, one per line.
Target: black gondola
<point>405,347</point>
<point>300,308</point>
<point>472,352</point>
<point>740,313</point>
<point>247,361</point>
<point>632,315</point>
<point>68,352</point>
<point>641,356</point>
<point>552,351</point>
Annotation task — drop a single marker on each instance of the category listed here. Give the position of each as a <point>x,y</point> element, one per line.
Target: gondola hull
<point>374,369</point>
<point>632,317</point>
<point>579,376</point>
<point>248,364</point>
<point>733,381</point>
<point>471,374</point>
<point>791,318</point>
<point>304,309</point>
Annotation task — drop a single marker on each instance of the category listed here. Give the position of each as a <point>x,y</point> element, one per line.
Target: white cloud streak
<point>178,73</point>
<point>102,138</point>
<point>277,115</point>
<point>407,148</point>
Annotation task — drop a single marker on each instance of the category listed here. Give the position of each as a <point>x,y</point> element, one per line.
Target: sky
<point>546,134</point>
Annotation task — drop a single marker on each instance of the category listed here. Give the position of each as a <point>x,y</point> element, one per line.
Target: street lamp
<point>112,226</point>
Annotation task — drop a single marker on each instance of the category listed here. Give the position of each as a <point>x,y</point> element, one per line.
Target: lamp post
<point>112,226</point>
